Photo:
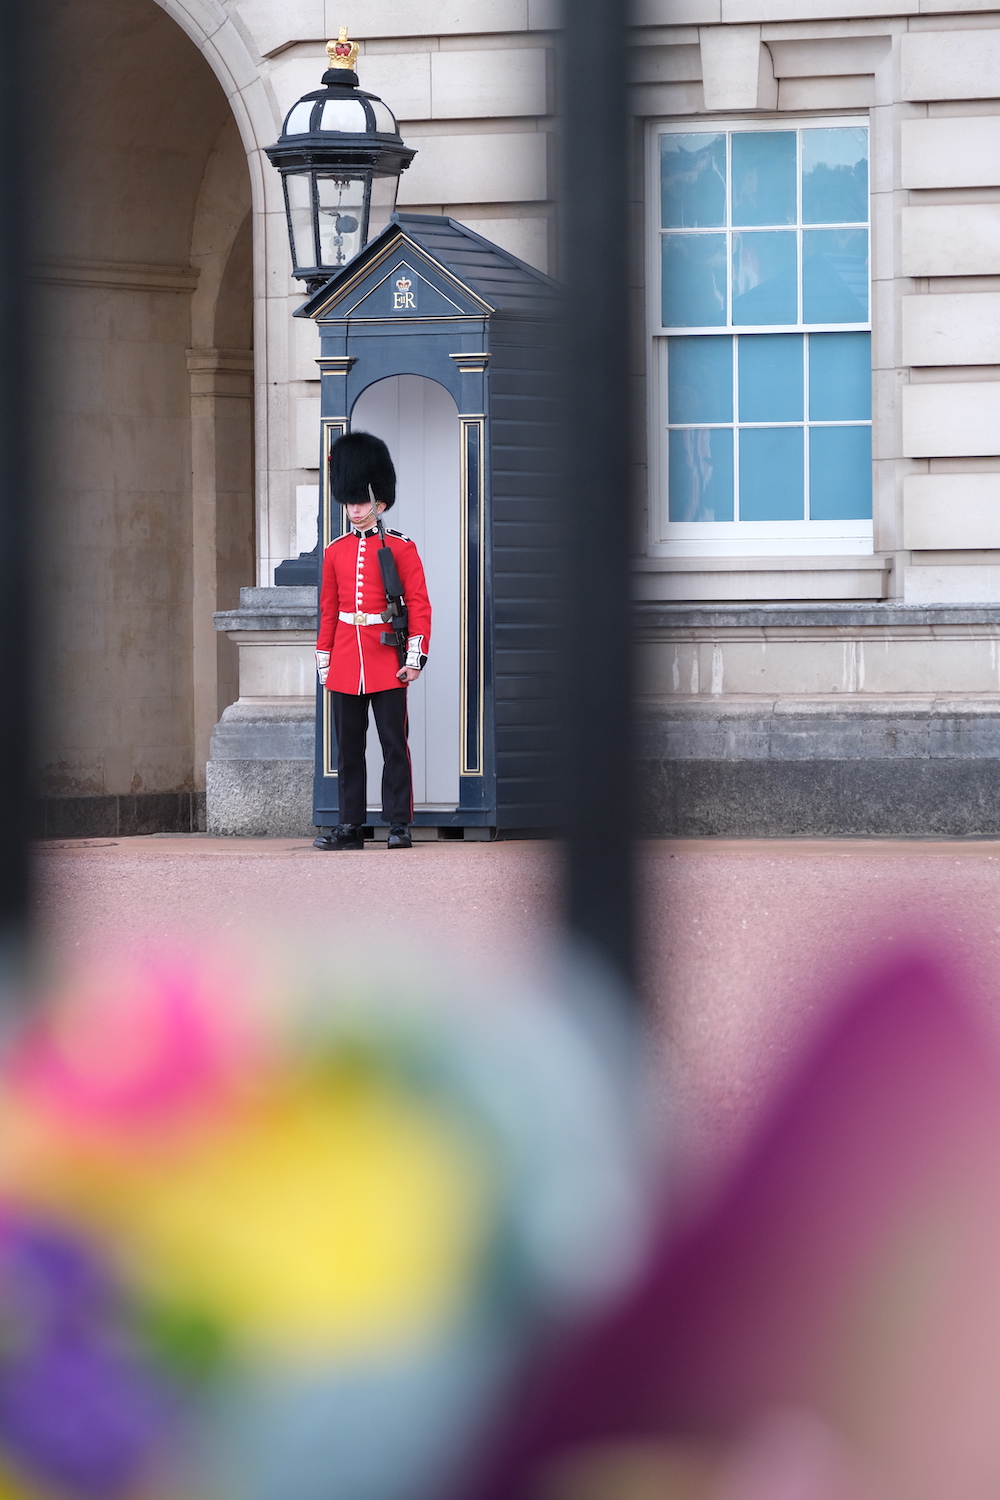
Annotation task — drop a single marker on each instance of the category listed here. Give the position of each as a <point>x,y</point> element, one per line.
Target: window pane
<point>701,474</point>
<point>840,376</point>
<point>341,211</point>
<point>383,202</point>
<point>298,119</point>
<point>764,177</point>
<point>385,120</point>
<point>764,278</point>
<point>834,276</point>
<point>345,115</point>
<point>771,377</point>
<point>835,176</point>
<point>772,469</point>
<point>840,473</point>
<point>694,280</point>
<point>700,380</point>
<point>298,193</point>
<point>692,181</point>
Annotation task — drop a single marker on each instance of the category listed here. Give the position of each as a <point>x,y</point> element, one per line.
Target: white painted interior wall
<point>418,419</point>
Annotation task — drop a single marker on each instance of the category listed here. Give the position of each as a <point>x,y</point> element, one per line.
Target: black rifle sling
<point>396,610</point>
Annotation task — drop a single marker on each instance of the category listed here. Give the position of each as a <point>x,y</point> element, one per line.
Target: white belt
<point>360,619</point>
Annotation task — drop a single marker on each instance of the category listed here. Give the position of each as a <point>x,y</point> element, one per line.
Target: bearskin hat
<point>357,460</point>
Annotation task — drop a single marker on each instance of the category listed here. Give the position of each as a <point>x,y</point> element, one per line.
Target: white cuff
<point>414,655</point>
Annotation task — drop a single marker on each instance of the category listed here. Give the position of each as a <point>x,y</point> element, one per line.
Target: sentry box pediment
<point>403,284</point>
<point>444,345</point>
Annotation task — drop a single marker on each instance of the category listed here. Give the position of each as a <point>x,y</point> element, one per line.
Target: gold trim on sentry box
<point>472,765</point>
<point>471,364</point>
<point>331,428</point>
<point>329,769</point>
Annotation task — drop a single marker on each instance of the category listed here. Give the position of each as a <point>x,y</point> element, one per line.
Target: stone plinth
<point>819,720</point>
<point>260,774</point>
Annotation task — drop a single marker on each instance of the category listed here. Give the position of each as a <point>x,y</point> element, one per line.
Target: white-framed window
<point>759,297</point>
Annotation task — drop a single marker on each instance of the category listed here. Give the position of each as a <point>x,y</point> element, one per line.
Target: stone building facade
<point>817,572</point>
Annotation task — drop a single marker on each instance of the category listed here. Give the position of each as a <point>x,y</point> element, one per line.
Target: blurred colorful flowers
<point>283,1238</point>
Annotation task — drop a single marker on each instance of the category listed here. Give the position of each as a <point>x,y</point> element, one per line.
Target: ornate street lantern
<point>340,156</point>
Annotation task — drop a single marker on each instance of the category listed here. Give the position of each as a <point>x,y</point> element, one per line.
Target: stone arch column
<point>228,47</point>
<point>220,363</point>
<point>145,312</point>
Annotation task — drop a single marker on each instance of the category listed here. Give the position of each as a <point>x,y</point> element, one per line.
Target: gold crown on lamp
<point>342,53</point>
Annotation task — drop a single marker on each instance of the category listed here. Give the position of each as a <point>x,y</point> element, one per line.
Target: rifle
<point>395,614</point>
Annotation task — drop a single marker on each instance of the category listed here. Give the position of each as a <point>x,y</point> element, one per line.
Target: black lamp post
<point>340,156</point>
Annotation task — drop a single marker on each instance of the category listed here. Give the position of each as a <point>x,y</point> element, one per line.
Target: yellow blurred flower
<point>342,1217</point>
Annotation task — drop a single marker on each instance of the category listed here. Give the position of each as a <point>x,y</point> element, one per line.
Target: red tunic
<point>352,583</point>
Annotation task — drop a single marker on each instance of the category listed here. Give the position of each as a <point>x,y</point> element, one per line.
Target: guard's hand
<point>322,665</point>
<point>408,674</point>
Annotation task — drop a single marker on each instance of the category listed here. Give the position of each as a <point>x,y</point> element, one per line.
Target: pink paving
<point>747,942</point>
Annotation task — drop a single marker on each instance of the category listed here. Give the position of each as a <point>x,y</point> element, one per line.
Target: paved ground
<point>747,942</point>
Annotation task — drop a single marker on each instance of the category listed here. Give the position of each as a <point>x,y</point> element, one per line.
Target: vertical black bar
<point>597,674</point>
<point>16,630</point>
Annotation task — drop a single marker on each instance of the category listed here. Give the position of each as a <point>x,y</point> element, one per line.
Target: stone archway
<point>143,255</point>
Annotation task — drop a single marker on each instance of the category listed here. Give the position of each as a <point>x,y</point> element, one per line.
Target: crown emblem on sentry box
<point>403,284</point>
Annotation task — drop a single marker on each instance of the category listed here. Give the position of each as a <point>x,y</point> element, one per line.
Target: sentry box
<point>443,345</point>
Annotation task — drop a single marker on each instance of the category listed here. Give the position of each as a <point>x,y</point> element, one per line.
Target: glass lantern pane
<point>764,177</point>
<point>347,115</point>
<point>840,473</point>
<point>835,276</point>
<point>700,380</point>
<point>772,474</point>
<point>383,201</point>
<point>765,283</point>
<point>835,176</point>
<point>701,474</point>
<point>299,117</point>
<point>298,195</point>
<point>694,280</point>
<point>341,218</point>
<point>771,377</point>
<point>692,181</point>
<point>385,122</point>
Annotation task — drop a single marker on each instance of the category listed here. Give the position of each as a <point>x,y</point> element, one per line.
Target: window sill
<point>768,539</point>
<point>717,579</point>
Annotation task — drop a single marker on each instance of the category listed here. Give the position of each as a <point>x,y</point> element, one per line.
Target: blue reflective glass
<point>765,288</point>
<point>764,177</point>
<point>694,280</point>
<point>770,372</point>
<point>835,176</point>
<point>772,474</point>
<point>840,376</point>
<point>692,181</point>
<point>700,380</point>
<point>840,473</point>
<point>834,276</point>
<point>701,474</point>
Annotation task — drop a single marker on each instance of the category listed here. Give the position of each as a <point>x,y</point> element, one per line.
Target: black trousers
<point>350,720</point>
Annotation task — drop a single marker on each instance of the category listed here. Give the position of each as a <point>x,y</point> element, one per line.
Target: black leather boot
<point>399,837</point>
<point>344,836</point>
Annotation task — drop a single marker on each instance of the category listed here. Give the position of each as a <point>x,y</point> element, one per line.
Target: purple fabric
<point>741,1312</point>
<point>77,1407</point>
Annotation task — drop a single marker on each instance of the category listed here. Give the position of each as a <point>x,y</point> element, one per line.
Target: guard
<point>372,579</point>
